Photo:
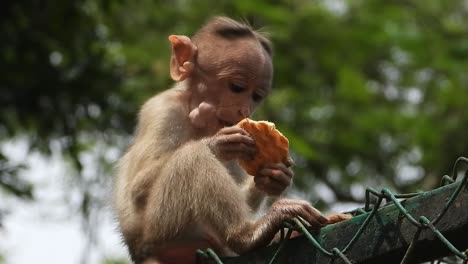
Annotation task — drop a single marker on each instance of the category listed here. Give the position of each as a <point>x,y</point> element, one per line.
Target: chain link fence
<point>421,223</point>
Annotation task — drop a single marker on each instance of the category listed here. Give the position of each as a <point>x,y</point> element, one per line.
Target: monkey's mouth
<point>225,123</point>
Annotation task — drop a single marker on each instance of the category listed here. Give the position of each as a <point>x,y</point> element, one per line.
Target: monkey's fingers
<point>289,162</point>
<point>233,130</point>
<point>278,171</point>
<point>234,150</point>
<point>335,218</point>
<point>305,210</point>
<point>316,218</point>
<point>235,139</point>
<point>272,181</point>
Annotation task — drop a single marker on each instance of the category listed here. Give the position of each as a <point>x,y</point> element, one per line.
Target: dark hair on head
<point>230,29</point>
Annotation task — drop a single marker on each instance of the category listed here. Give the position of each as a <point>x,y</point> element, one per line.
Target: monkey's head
<point>228,68</point>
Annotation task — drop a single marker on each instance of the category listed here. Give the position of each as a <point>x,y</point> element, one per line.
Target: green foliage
<point>362,88</point>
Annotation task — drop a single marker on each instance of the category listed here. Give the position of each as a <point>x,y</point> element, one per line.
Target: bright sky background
<point>47,230</point>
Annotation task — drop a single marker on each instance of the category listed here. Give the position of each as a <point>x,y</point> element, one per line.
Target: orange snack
<point>272,146</point>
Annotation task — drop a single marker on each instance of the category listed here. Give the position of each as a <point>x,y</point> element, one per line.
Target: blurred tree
<point>369,92</point>
<point>60,77</point>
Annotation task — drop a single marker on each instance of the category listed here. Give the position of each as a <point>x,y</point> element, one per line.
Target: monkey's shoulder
<point>163,119</point>
<point>167,105</point>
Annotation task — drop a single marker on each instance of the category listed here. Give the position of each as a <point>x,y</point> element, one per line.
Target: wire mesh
<point>422,223</point>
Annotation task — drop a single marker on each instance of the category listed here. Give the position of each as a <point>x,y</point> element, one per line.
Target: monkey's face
<point>237,78</point>
<point>238,99</point>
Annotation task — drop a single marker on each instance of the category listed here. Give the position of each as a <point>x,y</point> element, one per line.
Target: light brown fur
<point>179,186</point>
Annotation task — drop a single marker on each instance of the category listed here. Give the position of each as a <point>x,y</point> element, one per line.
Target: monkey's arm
<point>270,182</point>
<point>254,196</point>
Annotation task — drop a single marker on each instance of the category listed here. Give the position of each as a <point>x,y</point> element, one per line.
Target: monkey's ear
<point>183,52</point>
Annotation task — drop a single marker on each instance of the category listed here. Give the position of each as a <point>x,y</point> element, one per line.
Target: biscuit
<point>272,146</point>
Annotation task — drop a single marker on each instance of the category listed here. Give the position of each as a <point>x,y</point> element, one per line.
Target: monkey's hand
<point>232,143</point>
<point>200,115</point>
<point>286,209</point>
<point>273,178</point>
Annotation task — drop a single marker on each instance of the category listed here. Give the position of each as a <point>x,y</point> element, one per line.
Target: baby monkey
<point>179,186</point>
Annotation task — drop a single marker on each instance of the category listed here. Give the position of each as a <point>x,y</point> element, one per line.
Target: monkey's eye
<point>257,97</point>
<point>235,88</point>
